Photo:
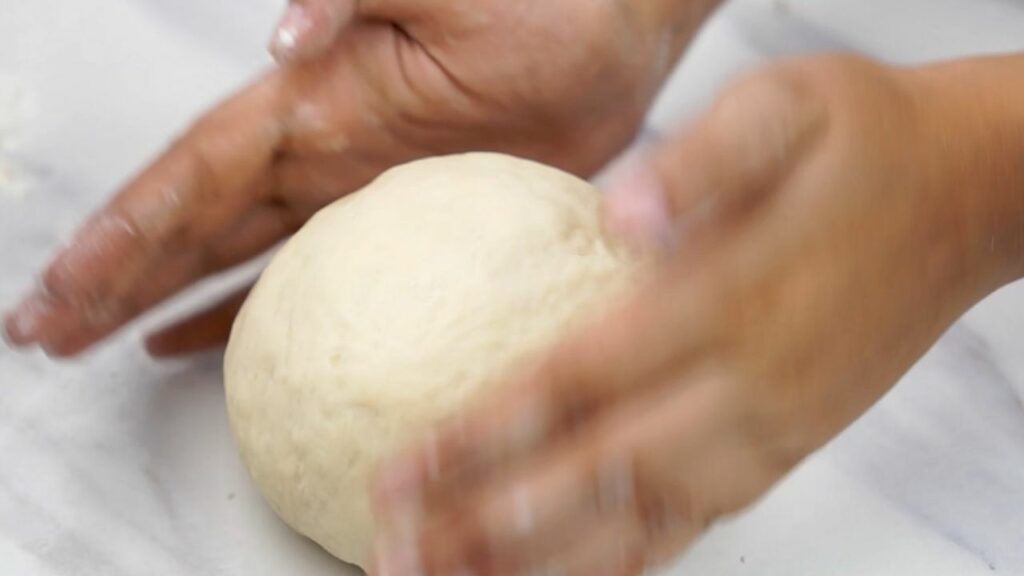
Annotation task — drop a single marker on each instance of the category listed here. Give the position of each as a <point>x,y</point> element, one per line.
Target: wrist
<point>974,120</point>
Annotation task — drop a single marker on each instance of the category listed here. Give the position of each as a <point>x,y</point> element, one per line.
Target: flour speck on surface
<point>17,178</point>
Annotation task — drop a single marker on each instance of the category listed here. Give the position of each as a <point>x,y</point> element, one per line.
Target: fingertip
<point>308,28</point>
<point>286,43</point>
<point>10,339</point>
<point>164,342</point>
<point>396,482</point>
<point>24,324</point>
<point>156,346</point>
<point>64,350</point>
<point>169,344</point>
<point>636,208</point>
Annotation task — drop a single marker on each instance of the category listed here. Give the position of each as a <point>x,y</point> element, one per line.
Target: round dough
<point>389,308</point>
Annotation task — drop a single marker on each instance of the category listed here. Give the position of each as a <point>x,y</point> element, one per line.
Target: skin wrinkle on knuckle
<point>92,302</point>
<point>646,502</point>
<point>203,176</point>
<point>769,116</point>
<point>765,433</point>
<point>613,474</point>
<point>561,399</point>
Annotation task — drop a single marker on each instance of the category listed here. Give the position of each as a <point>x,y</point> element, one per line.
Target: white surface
<point>116,466</point>
<point>912,30</point>
<point>820,522</point>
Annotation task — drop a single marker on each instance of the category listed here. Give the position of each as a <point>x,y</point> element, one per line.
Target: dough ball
<point>390,308</point>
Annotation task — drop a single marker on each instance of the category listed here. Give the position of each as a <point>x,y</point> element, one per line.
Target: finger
<point>256,233</point>
<point>530,515</point>
<point>189,193</point>
<point>671,461</point>
<point>636,208</point>
<point>632,347</point>
<point>313,182</point>
<point>610,546</point>
<point>613,547</point>
<point>526,514</point>
<point>697,455</point>
<point>206,330</point>
<point>309,27</point>
<point>743,147</point>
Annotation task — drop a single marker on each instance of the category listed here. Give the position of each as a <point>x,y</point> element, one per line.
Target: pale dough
<point>389,308</point>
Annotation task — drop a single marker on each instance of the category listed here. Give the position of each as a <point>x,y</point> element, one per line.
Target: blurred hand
<point>565,83</point>
<point>817,230</point>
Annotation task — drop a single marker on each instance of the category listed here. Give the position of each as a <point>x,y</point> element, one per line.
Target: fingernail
<point>22,326</point>
<point>637,209</point>
<point>290,32</point>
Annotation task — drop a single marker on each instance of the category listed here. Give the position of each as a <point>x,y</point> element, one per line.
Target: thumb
<point>309,27</point>
<point>717,168</point>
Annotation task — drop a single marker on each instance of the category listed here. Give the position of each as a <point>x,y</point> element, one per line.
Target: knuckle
<point>203,174</point>
<point>82,274</point>
<point>60,280</point>
<point>661,504</point>
<point>849,88</point>
<point>567,376</point>
<point>767,114</point>
<point>774,89</point>
<point>767,436</point>
<point>612,475</point>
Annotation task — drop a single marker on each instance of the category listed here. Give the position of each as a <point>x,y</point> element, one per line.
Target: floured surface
<point>822,523</point>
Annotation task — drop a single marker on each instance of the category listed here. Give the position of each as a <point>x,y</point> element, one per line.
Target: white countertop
<point>114,465</point>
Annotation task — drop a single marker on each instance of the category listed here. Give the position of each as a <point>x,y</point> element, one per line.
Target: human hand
<point>814,233</point>
<point>308,28</point>
<point>407,79</point>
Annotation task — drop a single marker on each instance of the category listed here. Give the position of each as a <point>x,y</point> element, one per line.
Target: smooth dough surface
<point>392,306</point>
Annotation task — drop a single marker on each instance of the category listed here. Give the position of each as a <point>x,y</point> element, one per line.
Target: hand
<point>407,79</point>
<point>814,234</point>
<point>308,28</point>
